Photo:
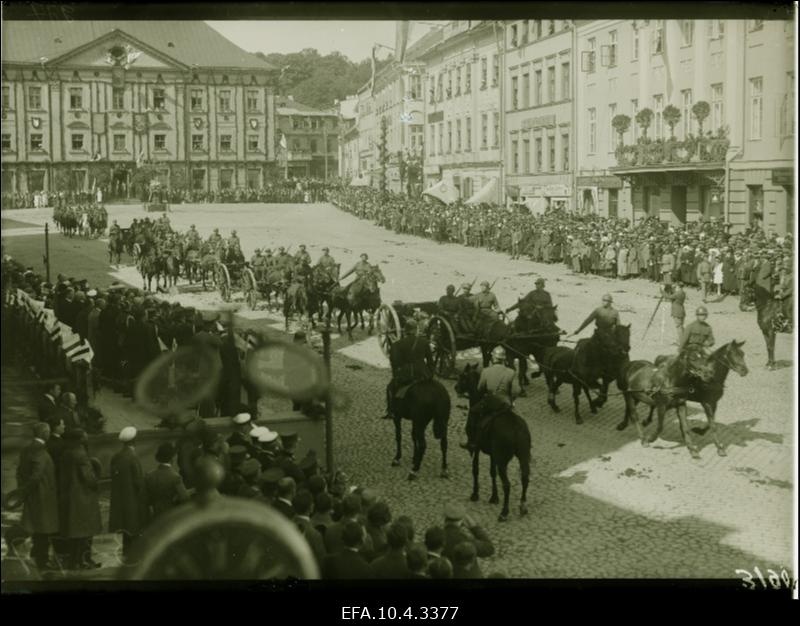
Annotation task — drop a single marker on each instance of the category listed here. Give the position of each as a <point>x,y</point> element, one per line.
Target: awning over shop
<point>443,192</point>
<point>487,193</point>
<point>361,181</point>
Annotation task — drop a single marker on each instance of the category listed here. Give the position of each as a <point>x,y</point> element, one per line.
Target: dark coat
<point>346,565</point>
<point>70,417</point>
<point>455,534</point>
<point>79,498</point>
<point>334,543</point>
<point>284,508</point>
<point>37,479</point>
<point>55,447</point>
<point>128,512</point>
<point>46,409</point>
<point>313,537</point>
<point>472,570</point>
<point>391,565</point>
<point>164,489</point>
<point>411,359</point>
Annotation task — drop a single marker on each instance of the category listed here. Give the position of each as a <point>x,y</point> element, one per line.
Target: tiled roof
<point>193,42</point>
<point>285,106</point>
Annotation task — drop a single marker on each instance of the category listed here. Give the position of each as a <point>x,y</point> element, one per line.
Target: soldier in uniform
<point>605,317</point>
<point>537,299</point>
<point>257,262</point>
<point>327,263</point>
<point>499,387</point>
<point>762,279</point>
<point>486,302</point>
<point>466,309</point>
<point>302,255</point>
<point>697,336</point>
<point>215,239</point>
<point>784,293</point>
<point>411,361</point>
<point>677,298</point>
<point>360,269</point>
<point>192,237</point>
<point>282,260</point>
<point>449,304</point>
<point>233,241</point>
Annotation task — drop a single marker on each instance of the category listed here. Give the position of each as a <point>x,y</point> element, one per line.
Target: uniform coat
<point>128,511</point>
<point>79,499</point>
<point>313,537</point>
<point>37,479</point>
<point>164,489</point>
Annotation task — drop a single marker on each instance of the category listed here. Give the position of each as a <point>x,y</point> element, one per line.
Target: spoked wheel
<point>223,282</point>
<point>250,288</point>
<point>389,329</point>
<point>442,341</point>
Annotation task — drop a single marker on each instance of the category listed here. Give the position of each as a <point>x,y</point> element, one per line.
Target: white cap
<point>256,431</point>
<point>91,293</point>
<point>267,436</point>
<point>241,418</point>
<point>127,434</point>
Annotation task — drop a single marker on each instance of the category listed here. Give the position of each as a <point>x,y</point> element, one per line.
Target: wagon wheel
<point>389,329</point>
<point>442,341</point>
<point>250,288</point>
<point>223,282</point>
<point>216,537</point>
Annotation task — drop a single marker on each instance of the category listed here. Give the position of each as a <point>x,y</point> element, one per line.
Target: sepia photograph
<point>392,295</point>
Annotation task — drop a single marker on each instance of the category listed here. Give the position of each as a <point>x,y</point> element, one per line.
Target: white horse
<point>85,229</point>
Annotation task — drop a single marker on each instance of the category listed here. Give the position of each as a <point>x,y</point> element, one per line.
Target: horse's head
<point>467,383</point>
<point>733,357</point>
<point>622,338</point>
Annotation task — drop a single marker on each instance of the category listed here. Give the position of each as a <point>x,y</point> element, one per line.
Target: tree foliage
<point>644,118</point>
<point>621,124</point>
<point>318,80</point>
<point>672,115</point>
<point>701,110</point>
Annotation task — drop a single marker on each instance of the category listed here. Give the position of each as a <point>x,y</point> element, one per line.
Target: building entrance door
<point>613,202</point>
<point>678,203</point>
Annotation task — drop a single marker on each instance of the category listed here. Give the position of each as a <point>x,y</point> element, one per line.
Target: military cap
<point>272,476</point>
<point>539,281</point>
<point>242,418</point>
<point>466,286</point>
<point>92,293</point>
<point>165,452</point>
<point>250,468</point>
<point>127,434</point>
<point>258,250</point>
<point>326,249</point>
<point>289,439</point>
<point>607,298</point>
<point>701,310</point>
<point>308,465</point>
<point>267,436</point>
<point>237,453</point>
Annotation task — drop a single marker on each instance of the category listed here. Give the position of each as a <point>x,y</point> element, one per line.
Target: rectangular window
<point>484,72</point>
<point>198,179</point>
<point>76,98</point>
<point>495,70</point>
<point>35,98</point>
<point>252,143</point>
<point>514,93</point>
<point>197,142</point>
<point>449,84</point>
<point>225,179</point>
<point>657,42</point>
<point>612,111</point>
<point>514,41</point>
<point>449,137</point>
<point>432,141</point>
<point>253,178</point>
<point>160,142</point>
<point>77,141</point>
<point>754,25</point>
<point>458,135</point>
<point>717,111</point>
<point>313,143</point>
<point>588,56</point>
<point>496,142</point>
<point>6,97</point>
<point>635,44</point>
<point>197,105</point>
<point>225,101</point>
<point>484,131</point>
<point>612,48</point>
<point>551,149</point>
<point>537,93</point>
<point>515,157</point>
<point>565,81</point>
<point>468,79</point>
<point>551,83</point>
<point>526,155</point>
<point>687,32</point>
<point>118,98</point>
<point>539,154</point>
<point>524,31</point>
<point>441,137</point>
<point>756,107</point>
<point>416,138</point>
<point>634,124</point>
<point>592,130</point>
<point>225,143</point>
<point>526,91</point>
<point>252,100</point>
<point>416,87</point>
<point>6,141</point>
<point>468,137</point>
<point>458,81</point>
<point>686,113</point>
<point>716,29</point>
<point>159,99</point>
<point>120,143</point>
<point>36,141</point>
<point>565,153</point>
<point>658,108</point>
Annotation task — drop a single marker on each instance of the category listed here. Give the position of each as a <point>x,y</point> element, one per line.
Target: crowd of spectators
<point>42,199</point>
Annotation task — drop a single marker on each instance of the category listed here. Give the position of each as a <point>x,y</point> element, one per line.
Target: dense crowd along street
<point>400,257</point>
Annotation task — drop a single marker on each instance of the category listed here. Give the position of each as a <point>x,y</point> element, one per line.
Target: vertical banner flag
<point>283,141</point>
<point>372,76</point>
<point>671,45</point>
<point>402,34</point>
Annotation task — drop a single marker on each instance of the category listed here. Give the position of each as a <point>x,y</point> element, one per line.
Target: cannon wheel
<point>442,341</point>
<point>216,537</point>
<point>250,288</point>
<point>223,282</point>
<point>389,329</point>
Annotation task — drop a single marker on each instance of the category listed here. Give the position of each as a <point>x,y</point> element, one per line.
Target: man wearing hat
<point>128,511</point>
<point>250,472</point>
<point>411,361</point>
<point>302,256</point>
<point>286,459</point>
<point>678,312</point>
<point>36,481</point>
<point>242,426</point>
<point>605,317</point>
<point>269,482</point>
<point>164,487</point>
<point>361,269</point>
<point>763,279</point>
<point>449,304</point>
<point>258,263</point>
<point>698,334</point>
<point>459,528</point>
<point>486,302</point>
<point>327,262</point>
<point>535,300</point>
<point>704,277</point>
<point>287,489</point>
<point>467,309</point>
<point>784,293</point>
<point>267,446</point>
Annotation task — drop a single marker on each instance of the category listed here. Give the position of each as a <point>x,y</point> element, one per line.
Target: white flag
<point>283,141</point>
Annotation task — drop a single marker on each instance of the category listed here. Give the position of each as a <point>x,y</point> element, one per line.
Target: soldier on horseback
<point>411,360</point>
<point>327,263</point>
<point>784,293</point>
<point>193,238</point>
<point>449,304</point>
<point>362,270</point>
<point>215,239</point>
<point>302,256</point>
<point>258,263</point>
<point>499,387</point>
<point>533,302</point>
<point>605,317</point>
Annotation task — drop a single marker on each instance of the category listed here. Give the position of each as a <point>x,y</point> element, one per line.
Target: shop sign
<point>783,176</point>
<point>604,182</point>
<point>538,122</point>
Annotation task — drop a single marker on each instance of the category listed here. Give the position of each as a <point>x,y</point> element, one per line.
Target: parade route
<point>601,505</point>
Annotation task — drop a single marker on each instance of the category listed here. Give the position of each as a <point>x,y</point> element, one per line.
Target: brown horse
<point>507,437</point>
<point>666,386</point>
<point>768,315</point>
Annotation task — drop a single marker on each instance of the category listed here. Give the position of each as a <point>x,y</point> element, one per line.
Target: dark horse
<point>295,301</point>
<point>768,314</point>
<point>425,401</point>
<point>322,285</point>
<point>595,362</point>
<point>363,294</point>
<point>534,332</point>
<point>666,386</point>
<point>708,394</point>
<point>507,437</point>
<point>116,245</point>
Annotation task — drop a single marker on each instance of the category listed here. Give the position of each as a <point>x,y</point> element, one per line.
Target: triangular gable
<point>97,53</point>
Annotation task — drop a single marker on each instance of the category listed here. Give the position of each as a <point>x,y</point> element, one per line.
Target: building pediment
<point>117,49</point>
<point>78,125</point>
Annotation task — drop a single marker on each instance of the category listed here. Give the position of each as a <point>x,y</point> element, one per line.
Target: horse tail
<point>441,414</point>
<point>523,445</point>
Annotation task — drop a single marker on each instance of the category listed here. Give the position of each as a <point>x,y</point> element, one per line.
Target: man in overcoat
<point>128,511</point>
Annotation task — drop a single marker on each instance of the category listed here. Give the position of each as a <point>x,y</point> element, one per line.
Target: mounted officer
<point>486,302</point>
<point>411,360</point>
<point>498,387</point>
<point>328,263</point>
<point>697,336</point>
<point>361,269</point>
<point>192,238</point>
<point>605,317</point>
<point>215,239</point>
<point>534,301</point>
<point>784,293</point>
<point>283,261</point>
<point>302,256</point>
<point>233,241</point>
<point>257,262</point>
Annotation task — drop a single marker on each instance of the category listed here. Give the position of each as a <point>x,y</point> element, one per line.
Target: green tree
<point>621,124</point>
<point>672,115</point>
<point>701,110</point>
<point>644,118</point>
